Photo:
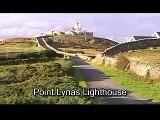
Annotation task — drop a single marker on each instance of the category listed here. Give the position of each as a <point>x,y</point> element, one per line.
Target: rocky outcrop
<point>155,72</point>
<point>145,69</point>
<point>142,69</point>
<point>110,62</point>
<point>84,57</point>
<point>99,59</point>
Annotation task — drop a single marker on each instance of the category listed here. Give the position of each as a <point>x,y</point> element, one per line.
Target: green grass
<point>130,82</point>
<point>152,56</point>
<point>10,49</point>
<point>78,50</point>
<point>48,74</point>
<point>19,45</point>
<point>64,62</point>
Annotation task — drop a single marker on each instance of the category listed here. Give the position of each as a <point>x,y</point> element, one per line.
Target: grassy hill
<point>18,45</point>
<point>17,83</point>
<point>20,73</point>
<point>19,40</point>
<point>151,55</point>
<point>25,66</point>
<point>67,43</point>
<point>80,44</point>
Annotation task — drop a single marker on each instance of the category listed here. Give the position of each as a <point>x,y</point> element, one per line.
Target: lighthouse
<point>77,27</point>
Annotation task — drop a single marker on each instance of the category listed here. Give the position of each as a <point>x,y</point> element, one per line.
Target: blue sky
<point>116,26</point>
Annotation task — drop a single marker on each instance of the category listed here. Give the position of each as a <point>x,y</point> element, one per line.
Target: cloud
<point>104,24</point>
<point>57,28</point>
<point>38,25</point>
<point>18,32</point>
<point>124,39</point>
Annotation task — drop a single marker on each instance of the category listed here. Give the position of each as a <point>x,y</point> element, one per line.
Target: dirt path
<point>97,79</point>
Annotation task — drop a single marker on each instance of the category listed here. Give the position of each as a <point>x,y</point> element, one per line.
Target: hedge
<point>42,54</point>
<point>25,61</point>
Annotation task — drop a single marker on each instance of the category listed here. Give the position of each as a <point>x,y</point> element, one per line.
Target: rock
<point>151,48</point>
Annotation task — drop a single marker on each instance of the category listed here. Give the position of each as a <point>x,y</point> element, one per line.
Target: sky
<point>115,26</point>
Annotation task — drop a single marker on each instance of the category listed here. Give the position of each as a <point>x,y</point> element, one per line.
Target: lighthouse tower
<point>77,27</point>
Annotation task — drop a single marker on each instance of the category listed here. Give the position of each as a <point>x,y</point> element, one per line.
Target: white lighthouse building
<point>77,27</point>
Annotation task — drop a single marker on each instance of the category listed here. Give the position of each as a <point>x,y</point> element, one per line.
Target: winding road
<point>42,44</point>
<point>96,79</point>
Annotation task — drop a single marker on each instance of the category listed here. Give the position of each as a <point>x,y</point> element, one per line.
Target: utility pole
<point>91,25</point>
<point>85,35</point>
<point>3,41</point>
<point>52,33</point>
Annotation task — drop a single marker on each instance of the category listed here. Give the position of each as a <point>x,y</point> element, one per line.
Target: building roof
<point>142,37</point>
<point>158,33</point>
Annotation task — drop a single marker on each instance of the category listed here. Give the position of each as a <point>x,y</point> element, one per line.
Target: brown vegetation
<point>18,40</point>
<point>122,62</point>
<point>79,42</point>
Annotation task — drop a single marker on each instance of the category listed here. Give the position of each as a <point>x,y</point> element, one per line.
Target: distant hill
<point>18,45</point>
<point>19,40</point>
<point>106,40</point>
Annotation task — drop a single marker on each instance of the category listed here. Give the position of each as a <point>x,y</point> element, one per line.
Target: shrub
<point>48,53</point>
<point>52,69</point>
<point>3,58</point>
<point>17,74</point>
<point>122,62</point>
<point>33,55</point>
<point>68,69</point>
<point>24,61</point>
<point>20,56</point>
<point>26,55</point>
<point>38,75</point>
<point>42,54</point>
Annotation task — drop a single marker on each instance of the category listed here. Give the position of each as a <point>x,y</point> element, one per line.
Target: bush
<point>17,74</point>
<point>48,53</point>
<point>42,54</point>
<point>68,69</point>
<point>24,61</point>
<point>25,56</point>
<point>46,75</point>
<point>3,58</point>
<point>122,62</point>
<point>51,70</point>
